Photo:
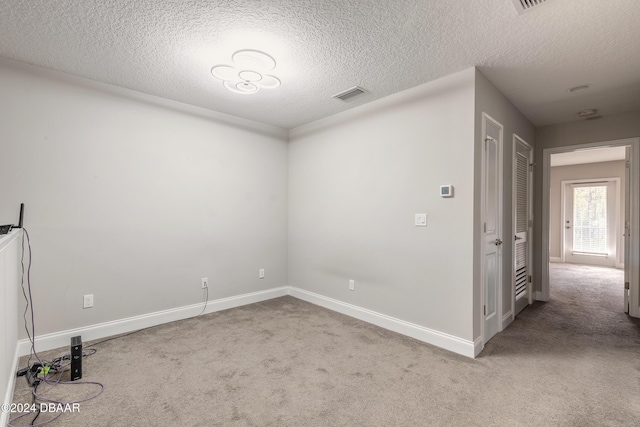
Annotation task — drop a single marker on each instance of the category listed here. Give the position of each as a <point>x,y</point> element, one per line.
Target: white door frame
<point>518,140</point>
<point>485,118</point>
<point>634,279</point>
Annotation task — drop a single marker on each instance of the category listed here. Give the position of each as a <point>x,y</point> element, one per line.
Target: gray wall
<point>617,126</point>
<point>355,182</point>
<point>134,199</point>
<point>488,99</point>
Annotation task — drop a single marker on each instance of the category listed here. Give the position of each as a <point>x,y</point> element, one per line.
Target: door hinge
<point>627,164</point>
<point>626,285</point>
<point>531,165</point>
<point>485,227</point>
<point>485,310</point>
<point>529,279</point>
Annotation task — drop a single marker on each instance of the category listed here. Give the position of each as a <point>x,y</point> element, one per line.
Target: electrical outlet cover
<point>88,301</point>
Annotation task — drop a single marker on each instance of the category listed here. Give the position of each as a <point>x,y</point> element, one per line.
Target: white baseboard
<point>11,386</point>
<point>477,346</point>
<point>620,265</point>
<point>555,259</point>
<point>102,330</point>
<point>506,320</point>
<point>429,336</point>
<point>121,326</point>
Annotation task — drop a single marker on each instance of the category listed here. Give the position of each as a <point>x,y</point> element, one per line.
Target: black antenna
<point>21,216</point>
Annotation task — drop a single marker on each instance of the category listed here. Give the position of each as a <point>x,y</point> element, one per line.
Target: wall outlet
<point>87,301</point>
<point>205,283</point>
<point>352,285</point>
<point>261,273</point>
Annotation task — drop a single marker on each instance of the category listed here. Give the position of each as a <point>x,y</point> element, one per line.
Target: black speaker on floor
<point>76,358</point>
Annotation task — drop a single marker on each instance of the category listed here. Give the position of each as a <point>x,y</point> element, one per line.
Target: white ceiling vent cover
<point>523,5</point>
<point>350,93</point>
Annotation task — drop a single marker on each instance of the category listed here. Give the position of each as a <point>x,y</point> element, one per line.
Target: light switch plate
<point>421,220</point>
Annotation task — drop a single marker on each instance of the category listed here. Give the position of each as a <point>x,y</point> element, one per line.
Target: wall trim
<point>453,81</point>
<point>11,386</point>
<point>506,320</point>
<point>102,330</point>
<point>429,336</point>
<point>478,346</point>
<point>539,296</point>
<point>137,96</point>
<point>555,259</point>
<point>121,326</point>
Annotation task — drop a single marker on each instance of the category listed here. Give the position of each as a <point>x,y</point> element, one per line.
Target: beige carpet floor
<point>573,361</point>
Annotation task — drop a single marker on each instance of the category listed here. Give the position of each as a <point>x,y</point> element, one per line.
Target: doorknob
<point>498,242</point>
<point>518,238</point>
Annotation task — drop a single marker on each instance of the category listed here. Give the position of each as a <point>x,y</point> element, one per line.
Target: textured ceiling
<point>167,48</point>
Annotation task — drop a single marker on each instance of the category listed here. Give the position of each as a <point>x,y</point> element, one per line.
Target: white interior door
<point>523,158</point>
<point>492,226</point>
<point>590,223</point>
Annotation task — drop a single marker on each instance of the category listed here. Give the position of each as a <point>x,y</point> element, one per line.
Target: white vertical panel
<point>627,228</point>
<point>5,361</point>
<point>491,208</point>
<point>491,273</point>
<point>521,225</point>
<point>8,313</point>
<point>492,228</point>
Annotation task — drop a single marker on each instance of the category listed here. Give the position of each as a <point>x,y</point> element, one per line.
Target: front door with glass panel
<point>590,223</point>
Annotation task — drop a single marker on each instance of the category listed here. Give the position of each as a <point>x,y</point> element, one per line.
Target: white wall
<point>134,199</point>
<point>488,99</point>
<point>615,169</point>
<point>355,182</point>
<point>9,283</point>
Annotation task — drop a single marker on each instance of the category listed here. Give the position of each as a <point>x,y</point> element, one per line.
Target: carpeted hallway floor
<point>574,361</point>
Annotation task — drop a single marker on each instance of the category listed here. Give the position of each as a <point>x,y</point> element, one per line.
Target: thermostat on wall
<point>446,190</point>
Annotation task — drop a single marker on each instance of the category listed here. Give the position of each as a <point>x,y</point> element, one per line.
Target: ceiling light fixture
<point>247,75</point>
<point>578,88</point>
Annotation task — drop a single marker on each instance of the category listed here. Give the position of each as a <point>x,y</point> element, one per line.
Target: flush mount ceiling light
<point>248,74</point>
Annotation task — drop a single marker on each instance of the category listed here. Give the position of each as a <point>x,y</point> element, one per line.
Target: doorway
<point>628,230</point>
<point>591,210</point>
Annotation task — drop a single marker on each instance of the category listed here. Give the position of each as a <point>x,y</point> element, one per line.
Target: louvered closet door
<point>521,221</point>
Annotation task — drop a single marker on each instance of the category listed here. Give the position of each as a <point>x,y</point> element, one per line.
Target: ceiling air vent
<point>350,93</point>
<point>523,5</point>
